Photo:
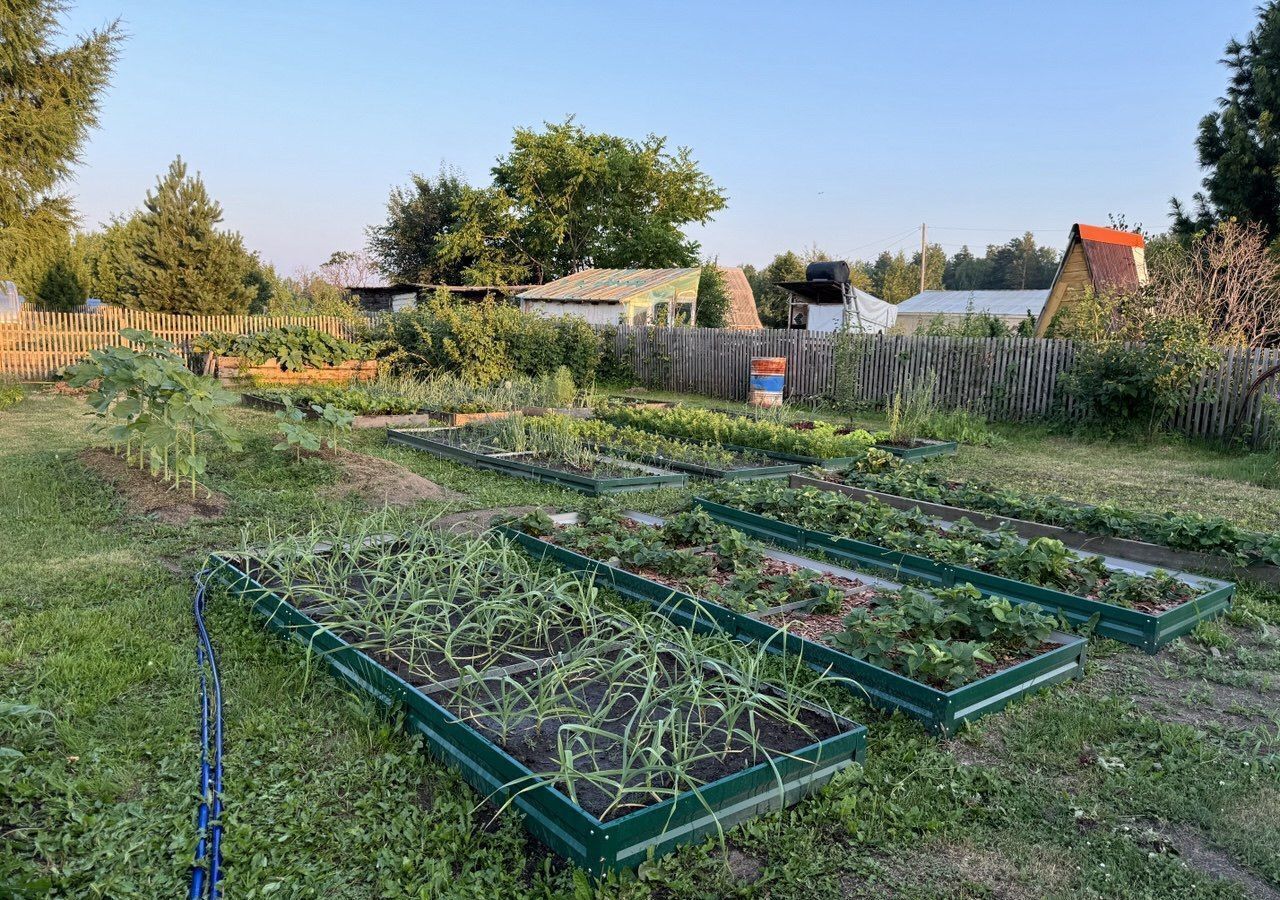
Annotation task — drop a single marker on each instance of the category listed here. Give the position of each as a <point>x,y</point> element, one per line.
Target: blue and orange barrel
<point>768,376</point>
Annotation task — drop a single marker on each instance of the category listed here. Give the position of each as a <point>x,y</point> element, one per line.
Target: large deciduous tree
<point>407,247</point>
<point>1239,143</point>
<point>48,104</point>
<point>182,263</point>
<point>564,199</point>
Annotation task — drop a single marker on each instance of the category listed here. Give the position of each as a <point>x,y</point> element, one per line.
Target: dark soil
<point>536,745</point>
<point>145,495</point>
<point>767,567</point>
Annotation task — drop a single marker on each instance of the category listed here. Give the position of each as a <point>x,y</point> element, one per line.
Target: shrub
<point>484,342</point>
<point>1138,386</point>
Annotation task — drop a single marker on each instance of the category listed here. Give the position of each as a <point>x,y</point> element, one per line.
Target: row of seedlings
<point>613,735</point>
<point>819,443</point>
<point>538,449</point>
<point>703,460</point>
<point>1131,602</point>
<point>944,657</point>
<point>1176,540</point>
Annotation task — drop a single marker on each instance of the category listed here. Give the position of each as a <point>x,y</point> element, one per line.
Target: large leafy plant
<point>153,407</point>
<point>293,347</point>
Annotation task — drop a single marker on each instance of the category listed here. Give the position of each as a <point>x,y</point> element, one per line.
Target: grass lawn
<point>1154,777</point>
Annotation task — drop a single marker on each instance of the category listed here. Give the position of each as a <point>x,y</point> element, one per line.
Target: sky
<point>836,125</point>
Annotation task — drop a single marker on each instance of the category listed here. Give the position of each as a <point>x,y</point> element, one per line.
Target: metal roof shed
<point>615,296</point>
<point>1010,306</point>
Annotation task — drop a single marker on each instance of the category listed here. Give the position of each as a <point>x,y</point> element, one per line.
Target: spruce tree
<point>61,288</point>
<point>183,263</point>
<point>1239,144</point>
<point>48,104</point>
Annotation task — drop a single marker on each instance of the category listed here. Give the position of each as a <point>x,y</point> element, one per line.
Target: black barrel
<point>835,270</point>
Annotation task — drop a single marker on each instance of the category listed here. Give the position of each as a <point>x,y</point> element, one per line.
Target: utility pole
<point>923,247</point>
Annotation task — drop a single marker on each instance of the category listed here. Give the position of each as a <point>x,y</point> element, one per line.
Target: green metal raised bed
<point>924,450</point>
<point>547,813</point>
<point>1148,631</point>
<point>646,477</point>
<point>939,710</point>
<point>745,473</point>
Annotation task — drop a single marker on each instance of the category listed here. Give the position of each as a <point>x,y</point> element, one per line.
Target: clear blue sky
<point>843,125</point>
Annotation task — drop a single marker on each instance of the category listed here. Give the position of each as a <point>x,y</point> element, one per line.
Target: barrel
<point>768,374</point>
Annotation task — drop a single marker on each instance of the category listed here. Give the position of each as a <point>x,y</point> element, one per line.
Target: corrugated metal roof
<point>606,285</point>
<point>997,303</point>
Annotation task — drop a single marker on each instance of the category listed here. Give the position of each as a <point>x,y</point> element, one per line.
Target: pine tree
<point>1239,144</point>
<point>60,288</point>
<point>183,263</point>
<point>48,104</point>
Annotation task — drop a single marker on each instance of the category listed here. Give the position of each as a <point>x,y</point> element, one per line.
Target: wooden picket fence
<point>34,345</point>
<point>1004,379</point>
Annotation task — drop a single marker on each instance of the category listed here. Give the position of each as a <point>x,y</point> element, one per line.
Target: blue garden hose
<point>206,873</point>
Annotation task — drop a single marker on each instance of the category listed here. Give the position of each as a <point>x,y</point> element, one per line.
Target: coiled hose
<point>206,872</point>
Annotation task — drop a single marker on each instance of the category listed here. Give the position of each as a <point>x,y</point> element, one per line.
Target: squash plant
<point>155,408</point>
<point>294,347</point>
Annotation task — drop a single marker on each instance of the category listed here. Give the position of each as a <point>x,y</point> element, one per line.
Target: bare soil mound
<point>144,495</point>
<point>383,482</point>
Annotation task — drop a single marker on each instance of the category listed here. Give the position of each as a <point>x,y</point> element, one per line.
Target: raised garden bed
<point>409,420</point>
<point>459,419</point>
<point>611,477</point>
<point>504,762</point>
<point>919,448</point>
<point>1147,630</point>
<point>819,444</point>
<point>1150,553</point>
<point>637,402</point>
<point>941,708</point>
<point>232,370</point>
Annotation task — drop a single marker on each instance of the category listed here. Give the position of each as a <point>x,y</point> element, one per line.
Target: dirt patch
<point>144,495</point>
<point>477,520</point>
<point>744,867</point>
<point>1193,848</point>
<point>64,389</point>
<point>383,483</point>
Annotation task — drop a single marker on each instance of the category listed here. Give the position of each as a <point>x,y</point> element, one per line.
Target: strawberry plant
<point>823,440</point>
<point>1043,561</point>
<point>943,639</point>
<point>1180,531</point>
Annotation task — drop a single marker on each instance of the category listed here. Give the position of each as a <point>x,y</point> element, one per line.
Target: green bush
<point>1138,386</point>
<point>484,342</point>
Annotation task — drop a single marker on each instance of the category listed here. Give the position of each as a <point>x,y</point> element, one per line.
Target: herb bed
<point>613,476</point>
<point>1148,630</point>
<point>507,729</point>
<point>942,708</point>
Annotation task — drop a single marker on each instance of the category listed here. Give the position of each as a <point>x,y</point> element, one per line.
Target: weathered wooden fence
<point>35,345</point>
<point>1005,379</point>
